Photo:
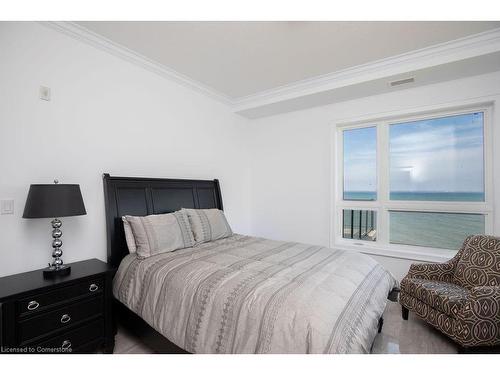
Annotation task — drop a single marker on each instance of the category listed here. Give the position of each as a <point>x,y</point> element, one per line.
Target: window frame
<point>383,205</point>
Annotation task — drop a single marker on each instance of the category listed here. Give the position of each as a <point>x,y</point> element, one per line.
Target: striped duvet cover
<point>252,295</point>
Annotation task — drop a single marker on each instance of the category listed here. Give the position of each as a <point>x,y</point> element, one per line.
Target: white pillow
<point>208,224</point>
<point>155,234</point>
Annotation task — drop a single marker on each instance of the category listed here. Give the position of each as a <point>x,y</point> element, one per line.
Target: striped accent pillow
<point>129,236</point>
<point>208,225</point>
<point>155,234</point>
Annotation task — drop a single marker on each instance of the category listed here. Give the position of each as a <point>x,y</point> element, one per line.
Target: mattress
<point>247,294</point>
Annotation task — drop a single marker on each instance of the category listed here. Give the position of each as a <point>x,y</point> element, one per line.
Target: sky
<point>434,155</point>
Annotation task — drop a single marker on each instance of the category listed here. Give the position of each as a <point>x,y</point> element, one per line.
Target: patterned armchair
<point>461,297</point>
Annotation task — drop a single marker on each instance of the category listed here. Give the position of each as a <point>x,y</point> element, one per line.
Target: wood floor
<point>398,336</point>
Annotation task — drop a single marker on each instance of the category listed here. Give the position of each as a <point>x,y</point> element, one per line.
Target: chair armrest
<point>478,322</point>
<point>483,303</point>
<point>432,271</point>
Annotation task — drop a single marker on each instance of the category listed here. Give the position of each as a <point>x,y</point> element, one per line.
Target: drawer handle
<point>66,345</point>
<point>33,305</point>
<point>65,318</point>
<point>93,287</point>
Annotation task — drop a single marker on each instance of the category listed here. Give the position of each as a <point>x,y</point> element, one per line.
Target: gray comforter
<point>252,295</point>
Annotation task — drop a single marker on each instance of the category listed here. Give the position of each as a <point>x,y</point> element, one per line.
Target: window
<point>418,184</point>
<point>360,164</point>
<point>439,159</point>
<point>359,224</point>
<point>433,229</point>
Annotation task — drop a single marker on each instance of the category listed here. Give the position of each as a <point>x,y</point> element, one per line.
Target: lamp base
<point>52,272</point>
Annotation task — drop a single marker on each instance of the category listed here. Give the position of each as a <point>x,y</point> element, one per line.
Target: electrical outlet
<point>45,93</point>
<point>7,207</point>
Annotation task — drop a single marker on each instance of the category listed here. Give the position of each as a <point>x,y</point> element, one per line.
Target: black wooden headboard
<point>145,196</point>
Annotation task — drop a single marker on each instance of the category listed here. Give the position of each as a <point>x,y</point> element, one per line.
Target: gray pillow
<point>129,236</point>
<point>155,234</point>
<point>208,225</point>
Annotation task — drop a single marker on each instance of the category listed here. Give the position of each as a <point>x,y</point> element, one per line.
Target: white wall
<point>106,115</point>
<point>291,163</point>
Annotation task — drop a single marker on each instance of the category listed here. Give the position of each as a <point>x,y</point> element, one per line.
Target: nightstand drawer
<point>40,312</point>
<point>40,302</point>
<point>73,340</point>
<point>69,315</point>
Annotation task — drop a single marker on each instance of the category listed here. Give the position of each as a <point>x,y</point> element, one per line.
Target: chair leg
<point>404,313</point>
<point>464,350</point>
<point>479,349</point>
<point>380,324</point>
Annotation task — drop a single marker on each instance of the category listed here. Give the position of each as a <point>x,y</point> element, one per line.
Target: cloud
<point>437,160</point>
<point>435,155</point>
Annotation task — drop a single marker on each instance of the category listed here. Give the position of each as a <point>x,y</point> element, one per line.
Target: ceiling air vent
<point>400,82</point>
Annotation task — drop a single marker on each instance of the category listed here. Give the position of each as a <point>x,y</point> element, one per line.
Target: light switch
<point>7,207</point>
<point>44,93</point>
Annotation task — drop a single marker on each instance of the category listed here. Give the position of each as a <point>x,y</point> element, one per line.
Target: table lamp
<point>54,201</point>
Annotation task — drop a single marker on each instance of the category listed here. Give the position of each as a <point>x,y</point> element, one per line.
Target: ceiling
<point>239,59</point>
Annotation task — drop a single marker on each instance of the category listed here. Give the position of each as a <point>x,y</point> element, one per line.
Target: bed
<point>239,294</point>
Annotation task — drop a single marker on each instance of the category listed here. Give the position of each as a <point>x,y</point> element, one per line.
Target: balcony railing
<point>359,224</point>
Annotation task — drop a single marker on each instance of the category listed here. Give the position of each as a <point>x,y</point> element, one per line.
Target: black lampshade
<point>54,200</point>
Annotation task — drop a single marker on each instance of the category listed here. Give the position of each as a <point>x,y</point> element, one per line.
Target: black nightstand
<point>67,314</point>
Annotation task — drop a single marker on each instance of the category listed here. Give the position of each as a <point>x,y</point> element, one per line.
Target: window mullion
<point>383,182</point>
<point>488,168</point>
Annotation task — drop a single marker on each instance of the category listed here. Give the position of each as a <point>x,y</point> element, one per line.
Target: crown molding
<point>455,50</point>
<point>96,40</point>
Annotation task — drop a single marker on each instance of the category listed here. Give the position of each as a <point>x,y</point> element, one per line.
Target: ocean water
<point>430,229</point>
<point>417,196</point>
